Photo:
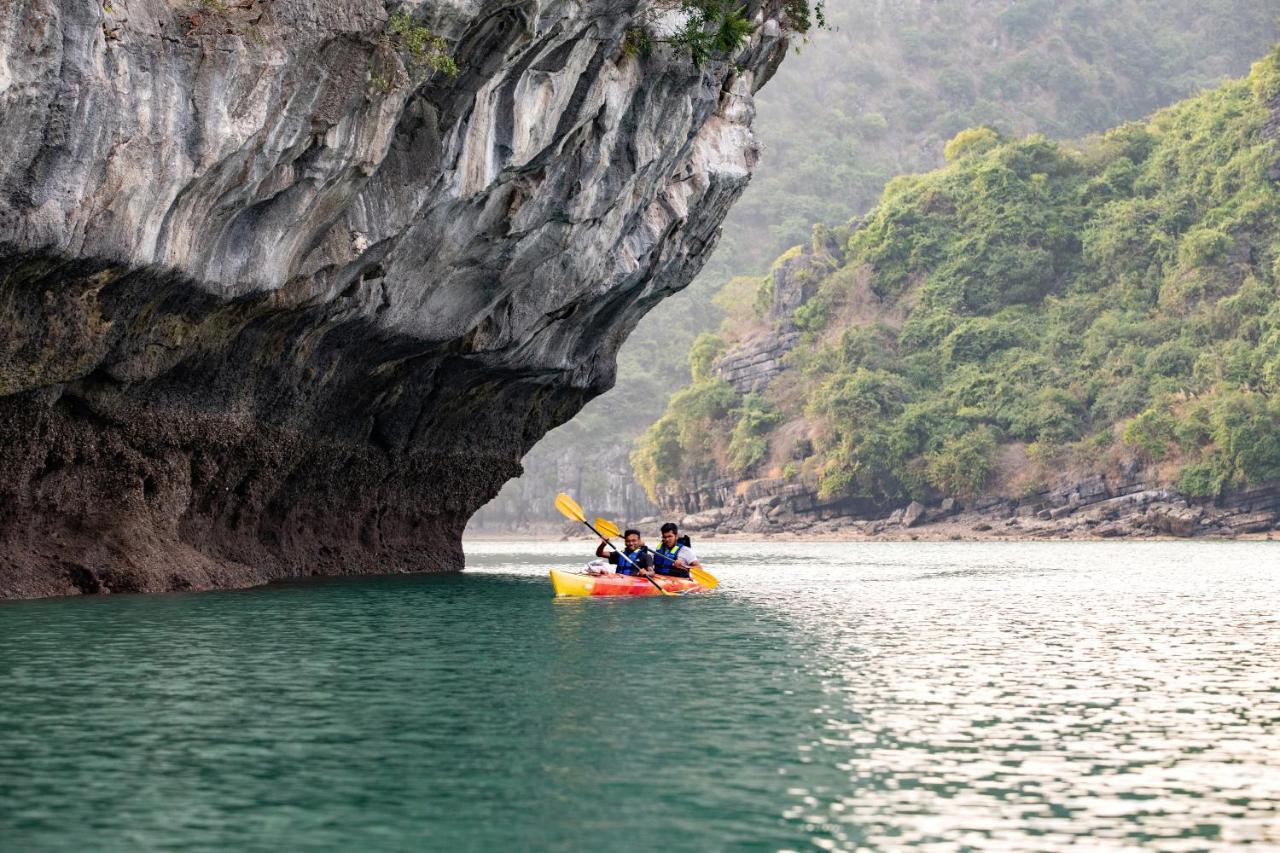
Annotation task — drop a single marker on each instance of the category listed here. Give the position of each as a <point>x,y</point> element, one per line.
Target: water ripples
<point>940,695</point>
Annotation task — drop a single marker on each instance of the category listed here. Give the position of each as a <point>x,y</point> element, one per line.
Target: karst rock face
<point>277,299</point>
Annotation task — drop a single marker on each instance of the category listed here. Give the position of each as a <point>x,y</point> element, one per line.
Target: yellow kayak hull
<point>575,585</point>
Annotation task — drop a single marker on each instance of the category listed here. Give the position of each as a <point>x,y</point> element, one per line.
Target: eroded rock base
<point>198,502</point>
<point>183,442</point>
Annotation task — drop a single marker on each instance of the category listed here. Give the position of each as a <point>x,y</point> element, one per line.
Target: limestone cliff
<point>276,299</point>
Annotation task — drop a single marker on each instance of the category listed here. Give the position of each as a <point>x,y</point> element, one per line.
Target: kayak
<point>576,584</point>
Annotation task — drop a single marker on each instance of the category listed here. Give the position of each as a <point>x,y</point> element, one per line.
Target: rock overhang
<point>272,316</point>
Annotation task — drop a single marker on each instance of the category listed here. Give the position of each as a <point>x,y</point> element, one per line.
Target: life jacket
<point>625,567</point>
<point>664,561</point>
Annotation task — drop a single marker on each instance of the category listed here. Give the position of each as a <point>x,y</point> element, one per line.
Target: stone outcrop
<point>912,514</point>
<point>277,298</point>
<point>753,363</point>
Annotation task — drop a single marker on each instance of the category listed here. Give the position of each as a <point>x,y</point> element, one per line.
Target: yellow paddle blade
<point>608,528</point>
<point>569,507</point>
<point>703,577</point>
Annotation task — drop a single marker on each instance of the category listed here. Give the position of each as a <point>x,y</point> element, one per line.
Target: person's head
<point>632,538</point>
<point>669,534</point>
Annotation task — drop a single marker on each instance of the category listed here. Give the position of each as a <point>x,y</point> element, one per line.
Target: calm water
<point>1003,695</point>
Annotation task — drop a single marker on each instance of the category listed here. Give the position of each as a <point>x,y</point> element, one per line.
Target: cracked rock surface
<point>277,300</point>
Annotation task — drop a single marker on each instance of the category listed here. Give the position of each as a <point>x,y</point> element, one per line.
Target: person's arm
<point>645,561</point>
<point>600,549</point>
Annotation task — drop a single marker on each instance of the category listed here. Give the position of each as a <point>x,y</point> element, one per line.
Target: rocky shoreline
<point>1149,515</point>
<point>1089,509</point>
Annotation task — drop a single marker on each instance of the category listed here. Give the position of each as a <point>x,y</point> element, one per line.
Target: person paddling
<point>638,558</point>
<point>675,556</point>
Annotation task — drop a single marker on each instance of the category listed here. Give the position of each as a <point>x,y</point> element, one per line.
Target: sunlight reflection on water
<point>1029,694</point>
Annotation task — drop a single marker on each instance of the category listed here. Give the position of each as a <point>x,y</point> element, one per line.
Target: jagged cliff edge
<point>271,306</point>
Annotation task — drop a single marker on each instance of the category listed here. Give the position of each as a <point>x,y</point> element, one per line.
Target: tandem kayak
<point>575,584</point>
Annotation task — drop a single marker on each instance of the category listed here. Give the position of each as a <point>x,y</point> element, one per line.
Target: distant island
<point>1070,338</point>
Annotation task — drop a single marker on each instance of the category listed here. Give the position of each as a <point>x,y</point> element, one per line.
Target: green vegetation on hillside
<point>1068,300</point>
<point>880,94</point>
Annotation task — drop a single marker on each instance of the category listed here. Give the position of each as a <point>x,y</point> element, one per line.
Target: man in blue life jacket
<point>675,556</point>
<point>638,559</point>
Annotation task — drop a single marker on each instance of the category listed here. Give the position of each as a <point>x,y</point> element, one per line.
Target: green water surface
<point>829,696</point>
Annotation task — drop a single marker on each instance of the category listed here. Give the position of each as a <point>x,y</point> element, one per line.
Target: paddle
<point>702,576</point>
<point>569,509</point>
